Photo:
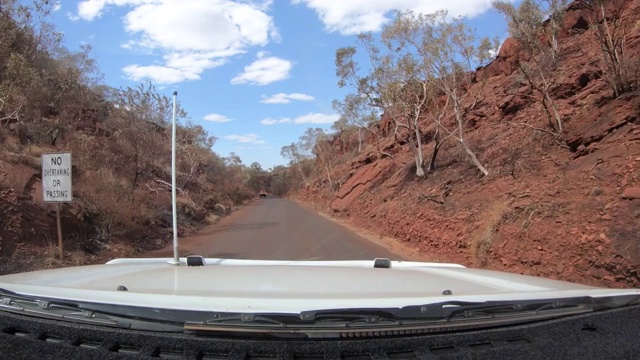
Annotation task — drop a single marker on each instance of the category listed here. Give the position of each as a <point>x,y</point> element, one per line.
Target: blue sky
<point>254,73</point>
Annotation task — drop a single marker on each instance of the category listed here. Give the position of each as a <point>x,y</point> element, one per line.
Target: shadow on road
<point>260,201</point>
<point>245,227</point>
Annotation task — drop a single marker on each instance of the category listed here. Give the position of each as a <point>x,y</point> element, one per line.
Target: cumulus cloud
<point>316,118</point>
<point>217,118</point>
<point>158,74</point>
<point>310,118</point>
<point>355,16</point>
<point>246,138</point>
<point>193,35</point>
<point>265,70</point>
<point>253,147</point>
<point>282,98</point>
<point>72,17</point>
<point>271,121</point>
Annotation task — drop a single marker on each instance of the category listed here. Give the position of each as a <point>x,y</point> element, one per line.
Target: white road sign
<point>56,177</point>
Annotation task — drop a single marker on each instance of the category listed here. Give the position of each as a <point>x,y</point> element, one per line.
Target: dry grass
<point>30,161</point>
<point>35,150</point>
<point>482,239</point>
<point>106,198</point>
<point>212,219</point>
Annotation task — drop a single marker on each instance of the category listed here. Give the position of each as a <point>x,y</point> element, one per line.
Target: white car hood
<point>251,286</point>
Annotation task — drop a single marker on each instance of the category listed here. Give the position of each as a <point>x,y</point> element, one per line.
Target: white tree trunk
<point>474,159</point>
<point>417,156</point>
<point>419,169</point>
<point>466,149</point>
<point>418,144</point>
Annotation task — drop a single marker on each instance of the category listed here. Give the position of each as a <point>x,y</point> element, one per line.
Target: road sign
<point>56,177</point>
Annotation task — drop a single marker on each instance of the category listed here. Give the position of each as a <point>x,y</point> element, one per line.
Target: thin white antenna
<point>176,258</point>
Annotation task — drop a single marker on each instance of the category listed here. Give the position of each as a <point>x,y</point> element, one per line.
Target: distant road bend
<point>279,229</point>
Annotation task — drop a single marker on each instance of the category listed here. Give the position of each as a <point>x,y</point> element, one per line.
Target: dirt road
<point>279,229</point>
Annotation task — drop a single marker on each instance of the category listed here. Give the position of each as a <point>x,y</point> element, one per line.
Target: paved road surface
<point>279,229</point>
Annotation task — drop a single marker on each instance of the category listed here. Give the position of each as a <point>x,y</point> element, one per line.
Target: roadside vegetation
<point>479,152</point>
<point>417,84</point>
<point>53,99</point>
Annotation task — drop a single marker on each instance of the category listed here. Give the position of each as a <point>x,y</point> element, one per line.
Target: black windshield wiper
<point>438,317</point>
<point>67,311</point>
<point>431,318</point>
<point>444,310</point>
<point>462,309</point>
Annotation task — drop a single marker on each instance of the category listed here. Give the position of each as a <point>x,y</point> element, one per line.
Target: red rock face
<point>507,60</point>
<point>565,207</point>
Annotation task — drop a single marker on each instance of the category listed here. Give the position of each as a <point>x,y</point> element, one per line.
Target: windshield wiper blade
<point>451,310</point>
<point>241,319</point>
<point>438,317</point>
<point>53,310</point>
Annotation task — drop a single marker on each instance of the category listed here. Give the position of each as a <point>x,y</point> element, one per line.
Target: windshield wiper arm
<point>454,309</point>
<point>55,310</point>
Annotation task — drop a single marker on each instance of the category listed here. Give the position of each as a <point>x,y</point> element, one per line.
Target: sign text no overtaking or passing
<point>56,177</point>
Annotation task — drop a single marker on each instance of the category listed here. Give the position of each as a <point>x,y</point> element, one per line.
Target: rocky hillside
<point>564,207</point>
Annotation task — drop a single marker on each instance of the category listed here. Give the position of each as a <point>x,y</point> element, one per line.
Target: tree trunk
<point>473,157</point>
<point>551,106</point>
<point>418,143</point>
<point>419,169</point>
<point>326,167</point>
<point>466,149</point>
<point>417,156</point>
<point>436,148</point>
<point>304,178</point>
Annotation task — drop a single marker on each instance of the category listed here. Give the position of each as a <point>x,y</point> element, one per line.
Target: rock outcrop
<point>564,208</point>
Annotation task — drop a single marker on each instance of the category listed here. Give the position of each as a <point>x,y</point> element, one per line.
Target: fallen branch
<point>382,153</point>
<point>599,161</point>
<point>528,222</point>
<point>169,185</point>
<point>535,128</point>
<point>520,196</point>
<point>435,198</point>
<point>438,199</point>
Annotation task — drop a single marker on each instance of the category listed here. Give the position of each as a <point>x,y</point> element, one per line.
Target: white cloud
<point>310,118</point>
<point>193,62</point>
<point>57,6</point>
<point>355,16</point>
<point>270,121</point>
<point>217,118</point>
<point>263,71</point>
<point>282,98</point>
<point>193,35</point>
<point>246,138</point>
<point>316,118</point>
<point>253,147</point>
<point>72,17</point>
<point>158,74</point>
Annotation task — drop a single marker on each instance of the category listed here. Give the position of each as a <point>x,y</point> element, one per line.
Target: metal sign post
<point>56,186</point>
